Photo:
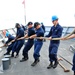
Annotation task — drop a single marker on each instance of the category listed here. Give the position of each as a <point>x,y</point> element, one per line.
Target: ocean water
<point>66,30</point>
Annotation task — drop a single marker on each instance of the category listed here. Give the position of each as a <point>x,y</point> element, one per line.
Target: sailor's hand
<point>41,38</point>
<point>63,38</point>
<point>12,41</point>
<point>30,37</point>
<point>50,38</point>
<point>5,45</point>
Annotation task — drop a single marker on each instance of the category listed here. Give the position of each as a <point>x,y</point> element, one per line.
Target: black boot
<point>50,65</point>
<point>35,62</point>
<point>24,59</point>
<point>7,53</point>
<point>12,55</point>
<point>55,64</point>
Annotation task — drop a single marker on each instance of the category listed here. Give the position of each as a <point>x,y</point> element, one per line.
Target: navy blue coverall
<point>18,43</point>
<point>55,32</point>
<point>73,68</point>
<point>29,43</point>
<point>10,38</point>
<point>38,43</point>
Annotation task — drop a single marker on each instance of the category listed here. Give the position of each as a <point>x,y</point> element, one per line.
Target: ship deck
<point>25,68</point>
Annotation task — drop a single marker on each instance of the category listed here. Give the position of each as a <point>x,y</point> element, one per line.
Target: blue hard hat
<point>54,18</point>
<point>7,34</point>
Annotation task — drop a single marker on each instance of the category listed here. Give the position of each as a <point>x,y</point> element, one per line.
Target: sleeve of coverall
<point>33,31</point>
<point>19,35</point>
<point>50,33</point>
<point>8,41</point>
<point>59,34</point>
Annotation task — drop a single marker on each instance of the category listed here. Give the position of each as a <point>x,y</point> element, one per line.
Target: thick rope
<point>58,38</point>
<point>47,38</point>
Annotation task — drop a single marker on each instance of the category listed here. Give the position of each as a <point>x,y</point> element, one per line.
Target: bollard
<point>5,63</point>
<point>8,56</point>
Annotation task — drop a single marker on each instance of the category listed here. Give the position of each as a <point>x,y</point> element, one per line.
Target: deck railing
<point>66,30</point>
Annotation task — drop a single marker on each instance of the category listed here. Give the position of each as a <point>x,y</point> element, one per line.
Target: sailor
<point>10,38</point>
<point>29,43</point>
<point>37,43</point>
<point>70,37</point>
<point>55,32</point>
<point>19,43</point>
<point>43,27</point>
<point>4,32</point>
<point>23,27</point>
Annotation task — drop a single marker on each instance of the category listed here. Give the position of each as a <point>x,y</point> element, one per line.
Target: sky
<point>13,11</point>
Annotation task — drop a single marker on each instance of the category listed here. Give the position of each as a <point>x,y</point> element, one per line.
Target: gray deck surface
<point>25,68</point>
